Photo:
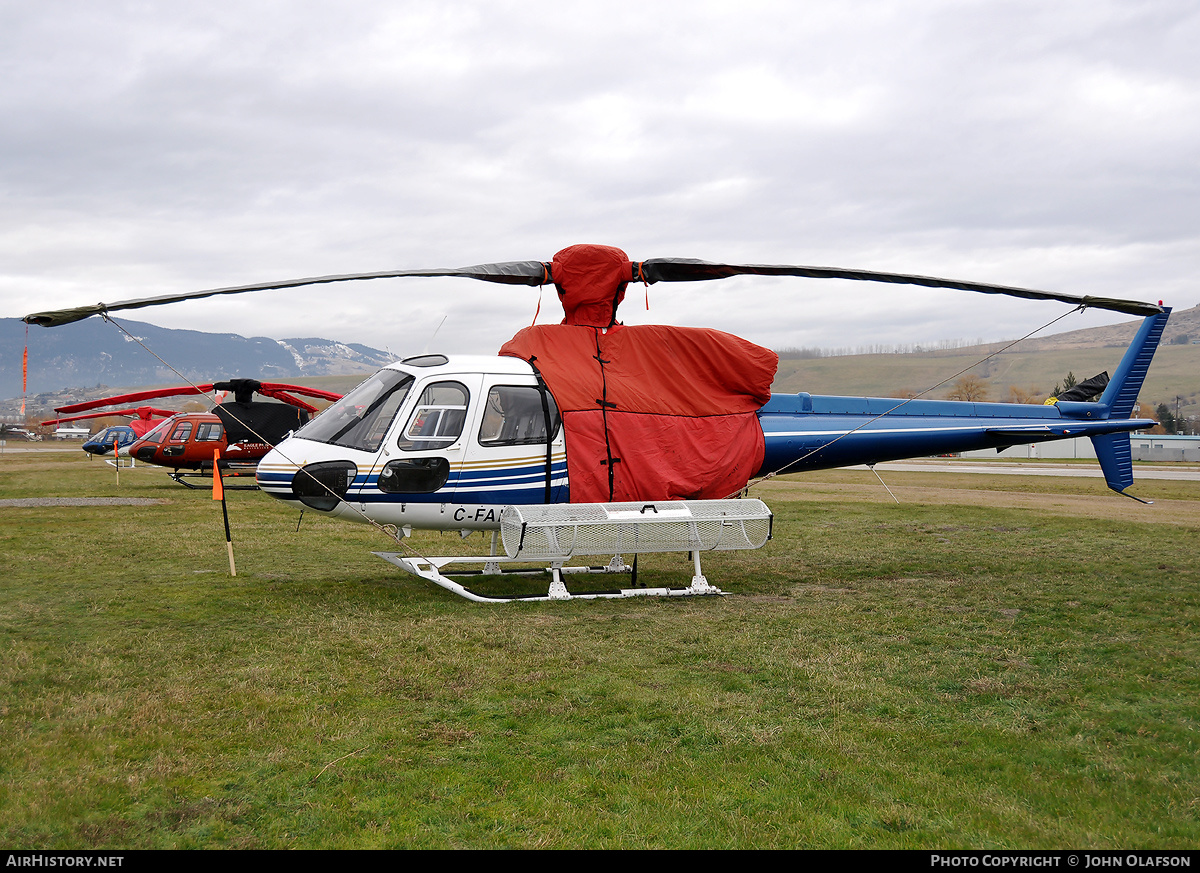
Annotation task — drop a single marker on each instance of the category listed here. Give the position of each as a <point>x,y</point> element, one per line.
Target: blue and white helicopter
<point>557,457</point>
<point>111,439</point>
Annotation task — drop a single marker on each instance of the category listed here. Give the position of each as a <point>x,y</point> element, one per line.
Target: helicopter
<point>240,431</point>
<point>12,431</point>
<point>120,436</point>
<point>646,422</point>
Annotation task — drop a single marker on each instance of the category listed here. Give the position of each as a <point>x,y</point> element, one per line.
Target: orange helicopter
<point>239,432</point>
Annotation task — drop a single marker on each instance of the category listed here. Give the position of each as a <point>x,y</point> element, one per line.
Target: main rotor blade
<point>299,389</point>
<point>278,390</point>
<point>650,271</point>
<point>135,397</point>
<point>161,413</point>
<point>508,273</point>
<point>689,270</point>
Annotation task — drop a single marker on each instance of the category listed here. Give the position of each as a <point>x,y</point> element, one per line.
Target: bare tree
<point>969,388</point>
<point>1023,395</point>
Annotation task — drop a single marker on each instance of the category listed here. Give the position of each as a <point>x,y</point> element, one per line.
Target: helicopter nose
<point>323,486</point>
<point>270,476</point>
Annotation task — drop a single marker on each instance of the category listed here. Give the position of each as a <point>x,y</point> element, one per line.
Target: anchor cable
<point>768,476</point>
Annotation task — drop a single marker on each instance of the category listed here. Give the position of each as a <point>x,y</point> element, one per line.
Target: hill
<point>1182,329</point>
<point>1033,367</point>
<point>91,353</point>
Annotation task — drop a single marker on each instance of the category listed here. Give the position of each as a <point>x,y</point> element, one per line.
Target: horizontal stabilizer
<point>1020,432</point>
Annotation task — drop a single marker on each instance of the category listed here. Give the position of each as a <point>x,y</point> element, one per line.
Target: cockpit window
<point>182,432</point>
<point>121,433</point>
<point>361,419</point>
<point>156,434</point>
<point>513,416</point>
<point>438,420</point>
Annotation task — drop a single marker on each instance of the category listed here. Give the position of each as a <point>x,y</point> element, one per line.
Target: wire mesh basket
<point>562,531</point>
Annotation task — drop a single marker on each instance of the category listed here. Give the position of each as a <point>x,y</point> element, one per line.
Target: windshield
<point>361,419</point>
<point>156,434</point>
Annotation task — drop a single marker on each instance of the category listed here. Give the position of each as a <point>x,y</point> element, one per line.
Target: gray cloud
<point>151,147</point>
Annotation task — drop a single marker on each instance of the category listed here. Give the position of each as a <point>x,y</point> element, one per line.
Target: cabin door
<point>425,457</point>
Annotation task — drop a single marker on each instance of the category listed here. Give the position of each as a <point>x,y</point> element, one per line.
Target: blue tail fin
<point>1122,391</point>
<point>1113,449</point>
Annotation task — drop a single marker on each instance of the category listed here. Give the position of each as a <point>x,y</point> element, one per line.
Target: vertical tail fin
<point>1113,449</point>
<point>1122,391</point>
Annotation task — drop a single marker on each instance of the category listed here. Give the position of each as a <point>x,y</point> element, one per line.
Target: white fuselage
<point>429,442</point>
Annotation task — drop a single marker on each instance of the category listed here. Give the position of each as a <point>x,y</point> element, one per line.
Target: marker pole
<point>219,494</point>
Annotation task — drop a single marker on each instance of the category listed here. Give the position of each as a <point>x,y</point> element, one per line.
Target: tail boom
<point>807,432</point>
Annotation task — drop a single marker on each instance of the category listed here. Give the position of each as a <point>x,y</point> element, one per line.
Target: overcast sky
<point>151,147</point>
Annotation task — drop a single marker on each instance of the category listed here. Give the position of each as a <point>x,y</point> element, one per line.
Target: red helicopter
<point>240,431</point>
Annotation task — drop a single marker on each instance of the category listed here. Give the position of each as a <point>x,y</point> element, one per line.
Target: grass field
<point>995,662</point>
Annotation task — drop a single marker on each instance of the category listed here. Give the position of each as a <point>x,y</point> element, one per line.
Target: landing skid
<point>557,533</point>
<point>203,479</point>
<point>431,570</point>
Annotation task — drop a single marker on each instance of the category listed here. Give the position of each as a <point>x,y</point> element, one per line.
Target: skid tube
<point>204,479</point>
<point>430,569</point>
<point>557,533</point>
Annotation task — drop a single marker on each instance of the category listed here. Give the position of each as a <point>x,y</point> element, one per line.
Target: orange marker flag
<point>219,494</point>
<point>218,486</point>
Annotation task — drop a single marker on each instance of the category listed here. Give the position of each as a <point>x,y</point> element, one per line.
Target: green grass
<point>1002,664</point>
